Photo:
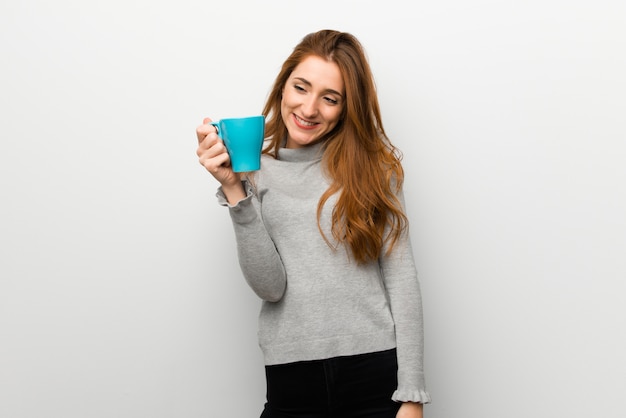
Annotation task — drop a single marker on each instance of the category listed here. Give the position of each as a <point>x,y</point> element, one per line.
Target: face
<point>313,99</point>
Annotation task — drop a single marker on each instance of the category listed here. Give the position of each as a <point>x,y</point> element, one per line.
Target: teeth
<point>304,122</point>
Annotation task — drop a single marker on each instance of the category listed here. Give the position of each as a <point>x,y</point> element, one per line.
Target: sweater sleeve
<point>403,289</point>
<point>258,258</point>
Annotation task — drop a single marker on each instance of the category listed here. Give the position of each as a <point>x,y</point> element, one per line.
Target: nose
<point>309,107</point>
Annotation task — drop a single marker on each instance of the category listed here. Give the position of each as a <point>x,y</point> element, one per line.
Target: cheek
<point>334,117</point>
<point>284,102</point>
<point>286,99</point>
<point>284,110</point>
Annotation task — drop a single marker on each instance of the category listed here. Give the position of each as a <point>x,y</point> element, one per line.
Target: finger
<point>215,164</point>
<point>206,128</point>
<point>211,141</point>
<point>211,147</point>
<point>203,131</point>
<point>207,121</point>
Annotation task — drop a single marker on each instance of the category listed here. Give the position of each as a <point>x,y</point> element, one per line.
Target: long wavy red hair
<point>364,167</point>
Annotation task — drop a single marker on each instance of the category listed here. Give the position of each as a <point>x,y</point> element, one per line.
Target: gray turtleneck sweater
<point>317,302</point>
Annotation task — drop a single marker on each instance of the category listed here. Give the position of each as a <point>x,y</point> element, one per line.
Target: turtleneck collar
<point>308,153</point>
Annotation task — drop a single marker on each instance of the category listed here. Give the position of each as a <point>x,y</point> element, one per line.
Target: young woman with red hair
<point>323,240</point>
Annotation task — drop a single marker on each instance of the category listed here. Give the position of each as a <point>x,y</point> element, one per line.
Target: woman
<point>322,239</point>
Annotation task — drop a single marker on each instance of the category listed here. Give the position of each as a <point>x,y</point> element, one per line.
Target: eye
<point>330,100</point>
<point>299,88</point>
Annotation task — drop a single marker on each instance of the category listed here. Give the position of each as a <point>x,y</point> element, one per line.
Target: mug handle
<point>217,128</point>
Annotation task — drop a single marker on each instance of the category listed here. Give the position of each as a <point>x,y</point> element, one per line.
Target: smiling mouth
<point>304,123</point>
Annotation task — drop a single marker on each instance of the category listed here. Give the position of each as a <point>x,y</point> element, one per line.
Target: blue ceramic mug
<point>243,138</point>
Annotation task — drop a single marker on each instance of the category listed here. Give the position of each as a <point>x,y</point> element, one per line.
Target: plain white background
<point>120,293</point>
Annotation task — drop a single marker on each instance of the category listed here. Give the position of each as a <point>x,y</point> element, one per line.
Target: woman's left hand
<point>410,410</point>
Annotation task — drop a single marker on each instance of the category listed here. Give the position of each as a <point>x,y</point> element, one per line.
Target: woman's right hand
<point>213,156</point>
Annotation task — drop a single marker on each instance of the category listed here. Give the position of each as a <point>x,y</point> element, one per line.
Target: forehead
<point>319,73</point>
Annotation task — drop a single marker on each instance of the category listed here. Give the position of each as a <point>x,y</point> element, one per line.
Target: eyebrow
<point>308,83</point>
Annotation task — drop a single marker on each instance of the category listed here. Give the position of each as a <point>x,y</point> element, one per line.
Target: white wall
<point>120,294</point>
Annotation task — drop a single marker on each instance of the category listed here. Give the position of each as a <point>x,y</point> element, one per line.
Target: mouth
<point>304,124</point>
